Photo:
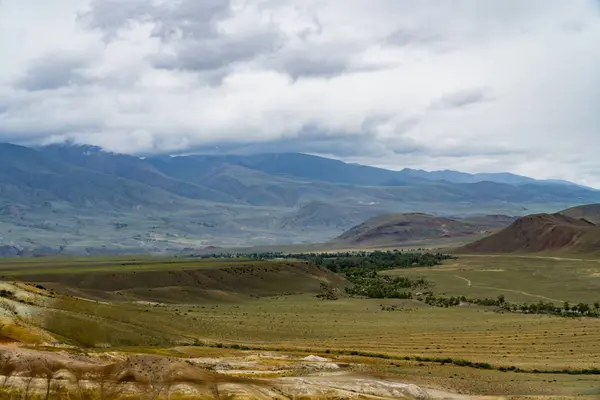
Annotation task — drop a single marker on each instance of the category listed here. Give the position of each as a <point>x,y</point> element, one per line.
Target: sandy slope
<point>310,376</point>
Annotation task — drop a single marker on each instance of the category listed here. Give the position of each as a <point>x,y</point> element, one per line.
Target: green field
<point>519,278</point>
<point>139,303</point>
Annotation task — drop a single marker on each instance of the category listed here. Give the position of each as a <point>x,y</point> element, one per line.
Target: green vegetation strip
<point>361,269</point>
<point>433,360</point>
<point>547,308</point>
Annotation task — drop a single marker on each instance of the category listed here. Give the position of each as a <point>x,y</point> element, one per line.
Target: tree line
<point>342,261</point>
<point>541,307</point>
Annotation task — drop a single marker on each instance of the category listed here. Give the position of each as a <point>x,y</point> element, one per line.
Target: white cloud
<point>469,85</point>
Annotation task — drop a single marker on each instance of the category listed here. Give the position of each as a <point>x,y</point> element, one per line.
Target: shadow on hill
<point>193,285</point>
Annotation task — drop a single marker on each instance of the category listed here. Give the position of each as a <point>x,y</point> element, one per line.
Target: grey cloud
<point>216,53</point>
<point>189,18</point>
<point>462,98</point>
<point>340,145</point>
<point>187,27</point>
<point>173,20</point>
<point>301,65</point>
<point>111,15</point>
<point>476,149</point>
<point>53,72</point>
<point>311,138</point>
<point>406,37</point>
<point>25,138</point>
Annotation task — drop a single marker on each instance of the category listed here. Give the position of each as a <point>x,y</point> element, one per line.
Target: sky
<point>469,85</point>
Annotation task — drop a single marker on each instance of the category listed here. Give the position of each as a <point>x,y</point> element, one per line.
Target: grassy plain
<point>247,306</point>
<point>520,278</point>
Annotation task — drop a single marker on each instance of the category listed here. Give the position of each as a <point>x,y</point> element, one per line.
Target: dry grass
<point>519,278</point>
<point>471,333</point>
<point>303,322</point>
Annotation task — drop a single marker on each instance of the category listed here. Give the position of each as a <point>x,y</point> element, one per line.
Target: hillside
<point>541,233</point>
<point>84,200</point>
<point>591,212</point>
<point>393,229</point>
<point>30,179</point>
<point>175,280</point>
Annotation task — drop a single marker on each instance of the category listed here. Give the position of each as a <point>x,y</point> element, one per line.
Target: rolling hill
<point>541,233</point>
<point>591,212</point>
<point>82,199</point>
<point>175,281</point>
<point>395,229</point>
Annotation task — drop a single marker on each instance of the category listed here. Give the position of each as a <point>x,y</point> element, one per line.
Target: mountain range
<point>82,199</point>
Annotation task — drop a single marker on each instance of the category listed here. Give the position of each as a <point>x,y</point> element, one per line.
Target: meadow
<point>241,306</point>
<point>519,278</point>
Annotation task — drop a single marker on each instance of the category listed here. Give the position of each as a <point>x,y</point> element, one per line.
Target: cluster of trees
<point>368,283</point>
<point>541,307</point>
<point>343,261</point>
<point>441,301</point>
<point>377,260</point>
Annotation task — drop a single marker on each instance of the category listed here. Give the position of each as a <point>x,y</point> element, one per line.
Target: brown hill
<point>172,283</point>
<point>539,233</point>
<point>591,212</point>
<point>393,229</point>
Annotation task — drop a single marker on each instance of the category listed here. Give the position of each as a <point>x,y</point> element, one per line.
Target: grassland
<point>135,304</point>
<point>519,278</point>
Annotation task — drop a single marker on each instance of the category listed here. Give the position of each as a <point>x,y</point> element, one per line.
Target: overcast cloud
<point>476,86</point>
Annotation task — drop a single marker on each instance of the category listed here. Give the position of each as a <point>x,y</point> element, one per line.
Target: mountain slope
<point>499,177</point>
<point>319,214</point>
<point>29,178</point>
<point>540,233</point>
<point>462,177</point>
<point>132,168</point>
<point>591,212</point>
<point>393,229</point>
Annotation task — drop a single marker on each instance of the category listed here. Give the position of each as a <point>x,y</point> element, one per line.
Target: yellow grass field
<point>284,316</point>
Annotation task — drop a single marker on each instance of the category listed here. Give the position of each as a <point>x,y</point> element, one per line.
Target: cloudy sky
<point>477,86</point>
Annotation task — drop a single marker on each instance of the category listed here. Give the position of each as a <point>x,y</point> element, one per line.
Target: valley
<point>259,318</point>
<point>291,277</point>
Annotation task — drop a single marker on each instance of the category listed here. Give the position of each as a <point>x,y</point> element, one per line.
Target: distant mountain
<point>291,165</point>
<point>501,177</point>
<point>395,229</point>
<point>129,167</point>
<point>82,199</point>
<point>541,233</point>
<point>29,178</point>
<point>590,212</point>
<point>321,214</point>
<point>315,168</point>
<point>462,177</point>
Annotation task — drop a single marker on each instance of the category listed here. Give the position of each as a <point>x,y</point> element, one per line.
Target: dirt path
<point>532,256</point>
<point>470,284</point>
